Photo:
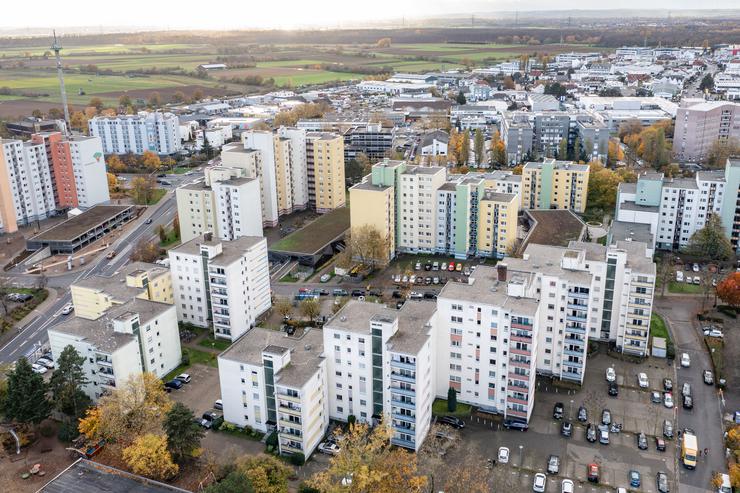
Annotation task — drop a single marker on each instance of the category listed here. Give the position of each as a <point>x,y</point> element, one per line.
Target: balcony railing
<point>576,294</point>
<point>402,378</point>
<point>403,364</point>
<point>399,390</point>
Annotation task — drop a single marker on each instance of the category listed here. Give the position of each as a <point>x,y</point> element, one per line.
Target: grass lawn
<point>180,170</point>
<point>196,357</point>
<point>439,408</point>
<point>307,77</point>
<point>157,195</point>
<point>658,327</point>
<point>212,343</point>
<point>316,234</point>
<point>682,287</point>
<point>170,239</point>
<point>716,348</point>
<point>289,278</point>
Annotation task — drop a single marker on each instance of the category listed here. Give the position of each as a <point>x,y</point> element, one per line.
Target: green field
<point>138,62</point>
<point>314,77</point>
<point>106,49</point>
<point>290,63</point>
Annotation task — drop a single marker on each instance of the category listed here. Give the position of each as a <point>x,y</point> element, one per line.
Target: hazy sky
<point>286,13</point>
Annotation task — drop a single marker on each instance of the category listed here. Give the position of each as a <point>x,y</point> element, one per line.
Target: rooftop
<point>413,329</point>
<point>93,477</point>
<point>556,227</point>
<point>78,225</point>
<point>231,250</point>
<point>621,230</point>
<point>485,288</point>
<point>355,316</point>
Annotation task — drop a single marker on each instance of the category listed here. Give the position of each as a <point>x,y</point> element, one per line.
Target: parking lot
<point>529,452</point>
<point>202,391</point>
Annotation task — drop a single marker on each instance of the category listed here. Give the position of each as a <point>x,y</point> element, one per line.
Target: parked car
<point>606,417</point>
<point>686,389</point>
<point>452,421</point>
<point>111,254</point>
<point>325,278</point>
<point>661,481</point>
<point>459,267</point>
<point>417,266</point>
<point>679,276</point>
<point>667,429</point>
<point>611,375</point>
<point>708,377</point>
<point>511,424</point>
<point>593,473</point>
<point>566,429</point>
<point>685,360</point>
<point>173,384</point>
<point>655,397</point>
<point>604,435</point>
<point>540,483</point>
<point>688,402</point>
<point>667,384</point>
<point>208,420</point>
<point>567,486</point>
<point>642,381</point>
<point>659,444</point>
<point>443,266</point>
<point>697,280</point>
<point>183,377</point>
<point>428,266</point>
<point>435,266</point>
<point>642,441</point>
<point>713,333</point>
<point>49,364</point>
<point>582,414</point>
<point>503,455</point>
<point>668,400</point>
<point>634,479</point>
<point>329,448</point>
<point>553,464</point>
<point>219,404</point>
<point>591,433</point>
<point>40,369</point>
<point>613,389</point>
<point>67,309</point>
<point>451,267</point>
<point>340,292</point>
<point>557,411</point>
<point>695,267</point>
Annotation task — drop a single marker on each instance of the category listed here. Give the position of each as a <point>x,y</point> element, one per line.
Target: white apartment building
<point>224,283</point>
<point>263,141</point>
<point>416,214</point>
<point>89,170</point>
<point>26,179</point>
<point>238,208</point>
<point>157,132</point>
<point>269,379</point>
<point>298,165</point>
<point>138,336</point>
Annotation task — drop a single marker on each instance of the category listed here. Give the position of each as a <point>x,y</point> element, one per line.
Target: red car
<point>593,473</point>
<point>451,267</point>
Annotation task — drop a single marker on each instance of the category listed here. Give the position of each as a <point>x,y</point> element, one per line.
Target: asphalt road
<point>33,335</point>
<point>705,418</point>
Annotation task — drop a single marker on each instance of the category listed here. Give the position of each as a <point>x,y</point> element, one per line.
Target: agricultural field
<point>28,76</point>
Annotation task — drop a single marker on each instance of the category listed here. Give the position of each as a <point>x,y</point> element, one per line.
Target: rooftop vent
<point>343,318</point>
<point>307,347</point>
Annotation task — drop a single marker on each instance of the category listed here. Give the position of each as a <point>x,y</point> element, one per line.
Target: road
<point>33,335</point>
<point>705,418</point>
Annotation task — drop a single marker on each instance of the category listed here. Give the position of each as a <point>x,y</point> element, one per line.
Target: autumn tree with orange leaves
<point>729,289</point>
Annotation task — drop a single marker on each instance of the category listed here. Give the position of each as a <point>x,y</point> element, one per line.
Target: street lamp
<point>570,412</point>
<point>521,457</point>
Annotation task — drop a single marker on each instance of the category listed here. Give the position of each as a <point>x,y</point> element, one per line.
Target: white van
<point>726,486</point>
<point>679,276</point>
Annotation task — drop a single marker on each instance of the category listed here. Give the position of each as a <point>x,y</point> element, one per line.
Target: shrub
<point>351,419</point>
<point>727,310</point>
<point>185,357</point>
<point>297,459</point>
<point>46,430</point>
<point>272,440</point>
<point>67,432</point>
<point>305,488</point>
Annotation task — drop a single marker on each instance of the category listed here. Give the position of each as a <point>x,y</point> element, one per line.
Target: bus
<point>689,450</point>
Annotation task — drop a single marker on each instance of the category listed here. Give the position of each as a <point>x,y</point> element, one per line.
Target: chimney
<point>501,271</point>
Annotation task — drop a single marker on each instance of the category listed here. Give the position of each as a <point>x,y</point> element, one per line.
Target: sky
<point>231,14</point>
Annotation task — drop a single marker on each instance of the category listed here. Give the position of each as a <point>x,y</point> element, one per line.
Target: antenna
<point>57,47</point>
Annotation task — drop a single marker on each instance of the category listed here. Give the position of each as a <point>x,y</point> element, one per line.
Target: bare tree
<point>665,270</point>
<point>369,246</point>
<point>310,308</point>
<point>284,307</point>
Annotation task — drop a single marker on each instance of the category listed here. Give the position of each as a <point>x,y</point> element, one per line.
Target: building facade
<point>700,126</point>
<point>325,171</point>
<point>156,132</point>
<point>552,184</point>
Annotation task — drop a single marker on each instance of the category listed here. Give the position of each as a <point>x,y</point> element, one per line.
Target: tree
<point>155,99</point>
<point>136,408</point>
<point>364,161</point>
<point>710,242</point>
<point>90,424</point>
<point>141,189</point>
<point>207,148</point>
<point>145,251</point>
<point>114,164</point>
<point>112,182</point>
<point>451,400</point>
<point>498,150</point>
<point>735,475</point>
<point>183,432</point>
<point>373,464</point>
<point>563,148</point>
<point>124,100</point>
<point>284,307</point>
<point>721,150</point>
<point>310,308</point>
<point>234,482</point>
<point>383,43</point>
<point>26,401</point>
<point>162,234</point>
<point>556,89</point>
<point>78,121</point>
<point>614,153</point>
<point>96,103</point>
<point>629,127</point>
<point>479,147</point>
<point>178,97</point>
<point>509,83</point>
<point>176,225</point>
<point>707,83</point>
<point>369,245</point>
<point>610,92</point>
<point>266,474</point>
<point>148,456</point>
<point>66,384</point>
<point>151,160</point>
<point>460,98</point>
<point>602,188</point>
<point>728,289</point>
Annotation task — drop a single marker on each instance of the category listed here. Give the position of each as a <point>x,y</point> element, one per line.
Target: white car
<point>329,448</point>
<point>40,369</point>
<point>668,400</point>
<point>503,455</point>
<point>679,276</point>
<point>540,482</point>
<point>68,308</point>
<point>567,486</point>
<point>325,278</point>
<point>685,360</point>
<point>49,364</point>
<point>713,333</point>
<point>611,375</point>
<point>642,381</point>
<point>695,267</point>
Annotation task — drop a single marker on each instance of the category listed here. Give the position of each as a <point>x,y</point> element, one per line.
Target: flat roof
<point>78,225</point>
<point>93,477</point>
<point>312,238</point>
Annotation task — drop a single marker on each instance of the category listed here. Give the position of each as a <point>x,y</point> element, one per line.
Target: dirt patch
<point>19,108</point>
<point>49,452</point>
<point>166,92</point>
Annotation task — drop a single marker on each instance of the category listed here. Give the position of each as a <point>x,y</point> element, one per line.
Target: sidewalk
<point>45,305</point>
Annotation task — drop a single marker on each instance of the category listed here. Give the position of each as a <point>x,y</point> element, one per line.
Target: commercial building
<point>122,326</point>
<point>552,184</point>
<point>676,208</point>
<point>157,132</point>
<point>325,171</point>
<point>223,283</point>
<point>373,140</point>
<point>700,126</point>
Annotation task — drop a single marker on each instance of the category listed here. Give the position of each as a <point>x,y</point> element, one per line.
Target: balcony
<point>576,377</point>
<point>521,364</point>
<point>515,400</point>
<point>290,398</point>
<point>574,306</point>
<point>575,330</point>
<point>402,364</point>
<point>577,294</point>
<point>572,352</point>
<point>517,376</point>
<point>573,340</point>
<point>404,427</point>
<point>289,424</point>
<point>404,404</point>
<point>403,443</point>
<point>575,318</point>
<point>403,417</point>
<point>573,364</point>
<point>521,352</point>
<point>513,387</point>
<point>288,447</point>
<point>514,412</point>
<point>400,391</point>
<point>104,362</point>
<point>217,281</point>
<point>402,378</point>
<point>524,339</point>
<point>521,326</point>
